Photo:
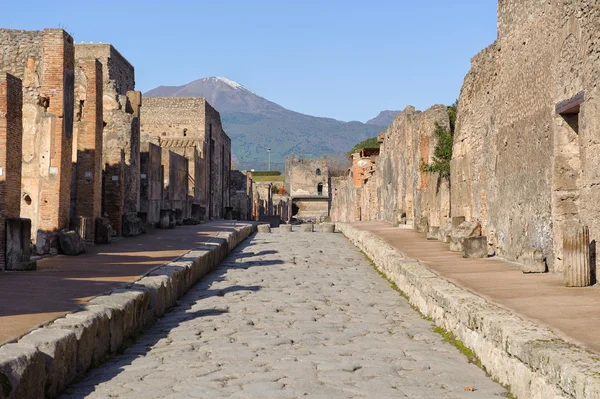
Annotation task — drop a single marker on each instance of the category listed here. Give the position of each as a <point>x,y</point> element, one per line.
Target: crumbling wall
<point>343,197</point>
<point>121,133</point>
<point>86,189</point>
<point>194,119</point>
<point>303,176</point>
<point>11,133</point>
<point>241,195</point>
<point>402,185</point>
<point>175,173</point>
<point>151,181</point>
<point>525,171</point>
<point>45,63</point>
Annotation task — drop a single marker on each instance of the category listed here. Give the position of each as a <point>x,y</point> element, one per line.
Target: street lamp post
<point>269,152</point>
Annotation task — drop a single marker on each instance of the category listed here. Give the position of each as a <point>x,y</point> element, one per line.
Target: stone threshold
<point>533,361</point>
<point>44,362</point>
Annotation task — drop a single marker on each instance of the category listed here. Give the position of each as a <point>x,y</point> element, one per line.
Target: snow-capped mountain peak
<point>231,83</point>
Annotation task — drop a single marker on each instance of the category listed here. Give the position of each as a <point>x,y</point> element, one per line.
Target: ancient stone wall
<point>521,166</point>
<point>402,186</point>
<point>121,133</point>
<point>392,184</point>
<point>45,63</point>
<point>87,142</point>
<point>11,133</point>
<point>306,177</point>
<point>175,174</point>
<point>151,181</point>
<point>194,119</point>
<point>241,195</point>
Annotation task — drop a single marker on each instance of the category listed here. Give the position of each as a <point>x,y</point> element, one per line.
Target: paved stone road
<point>288,316</point>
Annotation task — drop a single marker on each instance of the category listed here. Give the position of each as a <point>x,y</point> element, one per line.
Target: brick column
<point>11,133</point>
<point>58,87</point>
<point>88,127</point>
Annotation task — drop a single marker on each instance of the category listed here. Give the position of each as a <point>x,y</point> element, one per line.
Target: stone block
<point>45,241</point>
<point>457,221</point>
<point>91,331</point>
<point>273,220</point>
<point>533,262</point>
<point>306,228</point>
<point>103,231</point>
<point>134,301</point>
<point>433,232</point>
<point>190,222</point>
<point>445,232</point>
<point>60,350</point>
<point>22,371</point>
<point>131,225</point>
<point>285,228</point>
<point>70,243</point>
<point>228,213</point>
<point>474,247</point>
<point>144,218</point>
<point>421,224</point>
<point>328,227</point>
<point>264,228</point>
<point>172,219</point>
<point>157,292</point>
<point>18,245</point>
<point>164,221</point>
<point>198,212</point>
<point>464,230</point>
<point>178,217</point>
<point>84,226</point>
<point>576,252</point>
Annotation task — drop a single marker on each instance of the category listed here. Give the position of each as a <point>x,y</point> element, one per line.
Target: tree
<point>442,154</point>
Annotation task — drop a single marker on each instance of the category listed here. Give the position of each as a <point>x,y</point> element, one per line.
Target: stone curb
<point>43,363</point>
<point>532,360</point>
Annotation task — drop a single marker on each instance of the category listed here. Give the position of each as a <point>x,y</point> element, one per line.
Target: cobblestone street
<point>288,316</point>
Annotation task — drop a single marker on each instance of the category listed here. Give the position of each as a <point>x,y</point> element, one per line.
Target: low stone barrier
<point>532,360</point>
<point>43,362</point>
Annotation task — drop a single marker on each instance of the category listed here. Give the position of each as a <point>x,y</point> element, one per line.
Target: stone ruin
<point>74,170</point>
<point>308,183</point>
<point>525,145</point>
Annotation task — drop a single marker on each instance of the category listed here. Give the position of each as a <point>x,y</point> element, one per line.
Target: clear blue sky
<point>345,59</point>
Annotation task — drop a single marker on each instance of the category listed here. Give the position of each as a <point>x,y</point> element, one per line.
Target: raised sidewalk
<point>107,295</point>
<point>529,331</point>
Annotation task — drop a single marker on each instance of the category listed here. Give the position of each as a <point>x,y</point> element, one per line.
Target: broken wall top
<point>118,73</point>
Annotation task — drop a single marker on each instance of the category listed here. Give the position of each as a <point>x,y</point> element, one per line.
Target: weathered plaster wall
<point>11,133</point>
<point>527,173</point>
<point>194,119</point>
<point>241,195</point>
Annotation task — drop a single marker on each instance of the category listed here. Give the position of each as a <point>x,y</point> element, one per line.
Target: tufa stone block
<point>534,262</point>
<point>132,225</point>
<point>421,224</point>
<point>328,227</point>
<point>285,228</point>
<point>103,231</point>
<point>306,228</point>
<point>433,232</point>
<point>474,247</point>
<point>464,230</point>
<point>264,228</point>
<point>576,251</point>
<point>22,371</point>
<point>70,243</point>
<point>18,245</point>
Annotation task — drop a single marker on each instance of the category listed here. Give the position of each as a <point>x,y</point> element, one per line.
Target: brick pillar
<point>58,87</point>
<point>576,253</point>
<point>11,132</point>
<point>88,128</point>
<point>132,158</point>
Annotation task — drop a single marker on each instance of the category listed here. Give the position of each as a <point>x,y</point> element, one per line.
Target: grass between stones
<point>447,336</point>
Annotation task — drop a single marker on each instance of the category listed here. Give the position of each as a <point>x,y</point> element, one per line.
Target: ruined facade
<point>527,146</point>
<point>241,192</point>
<point>192,128</point>
<point>151,181</point>
<point>86,186</point>
<point>390,184</point>
<point>44,61</point>
<point>307,182</point>
<point>121,134</point>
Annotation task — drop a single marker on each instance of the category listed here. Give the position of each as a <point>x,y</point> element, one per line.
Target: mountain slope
<point>255,124</point>
<point>384,119</point>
